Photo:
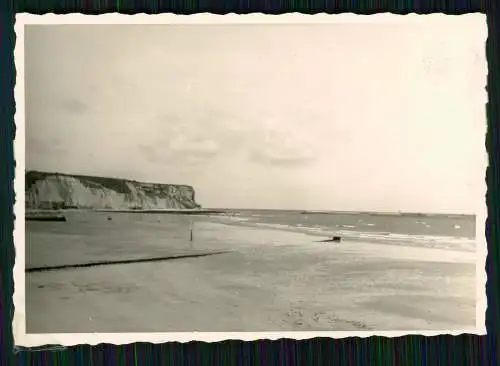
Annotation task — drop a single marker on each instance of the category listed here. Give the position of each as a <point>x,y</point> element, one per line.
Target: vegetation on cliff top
<point>116,184</point>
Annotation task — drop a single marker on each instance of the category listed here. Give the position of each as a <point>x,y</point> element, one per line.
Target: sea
<point>457,232</point>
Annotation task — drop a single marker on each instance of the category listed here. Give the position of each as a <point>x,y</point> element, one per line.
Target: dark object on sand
<point>334,239</point>
<point>109,218</point>
<point>123,261</point>
<point>45,218</point>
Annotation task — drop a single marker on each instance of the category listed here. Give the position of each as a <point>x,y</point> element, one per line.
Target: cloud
<point>194,147</point>
<point>272,158</point>
<point>194,138</point>
<point>38,146</point>
<point>281,147</point>
<point>191,137</point>
<point>180,150</point>
<point>74,106</point>
<point>39,153</point>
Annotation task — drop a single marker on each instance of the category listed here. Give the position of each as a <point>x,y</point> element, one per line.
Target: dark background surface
<point>443,350</point>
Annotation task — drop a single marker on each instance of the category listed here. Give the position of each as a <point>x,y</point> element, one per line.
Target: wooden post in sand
<point>190,230</point>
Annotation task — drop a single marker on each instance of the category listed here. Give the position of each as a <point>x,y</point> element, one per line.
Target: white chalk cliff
<point>56,191</point>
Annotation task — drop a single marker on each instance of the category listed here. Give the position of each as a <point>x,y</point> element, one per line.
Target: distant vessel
<point>45,218</point>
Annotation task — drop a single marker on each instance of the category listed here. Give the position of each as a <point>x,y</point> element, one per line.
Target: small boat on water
<point>59,218</point>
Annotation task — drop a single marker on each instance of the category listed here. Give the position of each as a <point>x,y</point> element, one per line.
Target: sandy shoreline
<point>271,282</point>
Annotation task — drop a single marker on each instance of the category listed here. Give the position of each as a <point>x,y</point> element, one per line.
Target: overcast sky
<point>332,116</point>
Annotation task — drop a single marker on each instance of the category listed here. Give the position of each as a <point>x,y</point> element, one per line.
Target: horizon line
<point>313,211</point>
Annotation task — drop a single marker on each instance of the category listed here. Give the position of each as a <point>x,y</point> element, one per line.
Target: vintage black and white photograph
<point>250,176</point>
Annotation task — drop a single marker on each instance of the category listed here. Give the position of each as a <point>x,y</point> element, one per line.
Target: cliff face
<point>56,191</point>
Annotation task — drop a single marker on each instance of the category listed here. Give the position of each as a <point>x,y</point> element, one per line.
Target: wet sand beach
<point>268,280</point>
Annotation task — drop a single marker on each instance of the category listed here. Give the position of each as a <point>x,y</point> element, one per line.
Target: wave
<point>429,241</point>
